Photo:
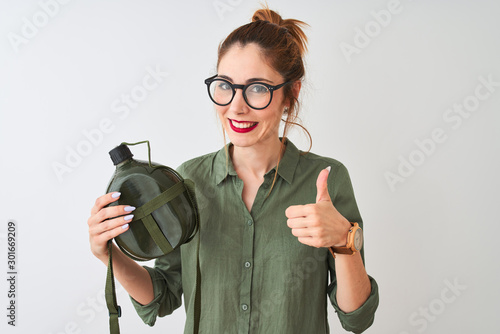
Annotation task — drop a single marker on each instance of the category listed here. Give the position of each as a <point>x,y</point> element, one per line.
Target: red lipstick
<point>241,130</point>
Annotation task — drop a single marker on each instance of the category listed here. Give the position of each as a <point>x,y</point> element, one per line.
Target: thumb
<point>321,186</point>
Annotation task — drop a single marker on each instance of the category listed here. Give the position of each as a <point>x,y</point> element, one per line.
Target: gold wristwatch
<point>354,241</point>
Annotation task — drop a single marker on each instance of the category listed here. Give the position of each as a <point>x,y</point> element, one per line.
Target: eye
<point>222,85</point>
<point>257,89</point>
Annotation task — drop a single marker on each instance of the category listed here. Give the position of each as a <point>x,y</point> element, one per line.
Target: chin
<point>242,142</point>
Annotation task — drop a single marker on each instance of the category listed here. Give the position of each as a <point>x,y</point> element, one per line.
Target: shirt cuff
<point>358,320</point>
<point>149,312</point>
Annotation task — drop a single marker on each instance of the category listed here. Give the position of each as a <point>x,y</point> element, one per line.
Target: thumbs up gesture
<point>318,224</point>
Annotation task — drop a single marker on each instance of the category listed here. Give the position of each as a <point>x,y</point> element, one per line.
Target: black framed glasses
<point>258,95</point>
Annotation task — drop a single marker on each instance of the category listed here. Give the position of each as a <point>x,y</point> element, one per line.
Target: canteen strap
<point>144,213</point>
<point>156,234</point>
<point>197,295</point>
<point>160,200</point>
<point>190,187</point>
<point>110,293</point>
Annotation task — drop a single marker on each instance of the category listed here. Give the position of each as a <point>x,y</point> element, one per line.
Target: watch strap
<point>341,250</point>
<point>344,249</point>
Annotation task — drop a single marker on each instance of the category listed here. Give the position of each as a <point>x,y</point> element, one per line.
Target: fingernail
<point>129,208</point>
<point>128,217</point>
<point>329,168</point>
<point>124,226</point>
<point>116,194</point>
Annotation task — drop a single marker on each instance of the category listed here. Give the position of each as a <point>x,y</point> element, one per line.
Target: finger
<point>113,233</point>
<point>310,241</point>
<point>302,232</point>
<point>111,224</point>
<point>300,222</point>
<point>110,212</point>
<point>104,200</point>
<point>322,186</point>
<point>307,241</point>
<point>297,211</point>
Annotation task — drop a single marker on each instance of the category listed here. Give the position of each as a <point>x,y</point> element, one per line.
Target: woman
<point>268,212</point>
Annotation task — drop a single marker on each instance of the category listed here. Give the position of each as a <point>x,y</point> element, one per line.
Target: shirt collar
<point>286,169</point>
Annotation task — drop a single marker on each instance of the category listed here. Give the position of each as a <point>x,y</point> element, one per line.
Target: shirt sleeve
<point>358,320</point>
<point>342,194</point>
<point>167,286</point>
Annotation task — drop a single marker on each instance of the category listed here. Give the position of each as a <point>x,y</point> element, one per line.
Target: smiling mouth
<point>242,126</point>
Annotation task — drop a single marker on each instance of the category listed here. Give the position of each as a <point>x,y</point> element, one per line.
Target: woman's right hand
<point>104,227</point>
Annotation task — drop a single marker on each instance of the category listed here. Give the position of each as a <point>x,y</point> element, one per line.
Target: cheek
<point>274,119</point>
<point>278,121</point>
<point>221,111</point>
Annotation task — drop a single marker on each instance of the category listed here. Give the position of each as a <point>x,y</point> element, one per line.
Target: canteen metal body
<point>139,182</point>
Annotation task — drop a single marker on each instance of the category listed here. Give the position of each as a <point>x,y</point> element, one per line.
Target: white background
<point>437,228</point>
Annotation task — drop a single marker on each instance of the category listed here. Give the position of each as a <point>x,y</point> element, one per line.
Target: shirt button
<point>247,264</point>
<point>249,222</point>
<point>244,307</point>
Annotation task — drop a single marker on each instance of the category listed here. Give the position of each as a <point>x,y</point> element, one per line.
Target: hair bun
<point>266,14</point>
<point>294,27</point>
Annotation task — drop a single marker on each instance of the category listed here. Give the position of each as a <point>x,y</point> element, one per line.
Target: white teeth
<point>242,125</point>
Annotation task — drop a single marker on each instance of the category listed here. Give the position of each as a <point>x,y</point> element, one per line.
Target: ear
<point>297,85</point>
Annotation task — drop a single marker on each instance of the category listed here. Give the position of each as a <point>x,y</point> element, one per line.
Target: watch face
<point>358,239</point>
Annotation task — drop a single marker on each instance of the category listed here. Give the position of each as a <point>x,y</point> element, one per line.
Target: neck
<point>256,160</point>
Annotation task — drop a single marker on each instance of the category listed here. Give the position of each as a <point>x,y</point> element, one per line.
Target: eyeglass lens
<point>257,95</point>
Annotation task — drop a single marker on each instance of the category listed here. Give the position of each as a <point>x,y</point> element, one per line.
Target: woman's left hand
<point>318,224</point>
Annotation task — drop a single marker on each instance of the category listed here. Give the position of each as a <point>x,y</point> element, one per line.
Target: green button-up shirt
<point>256,277</point>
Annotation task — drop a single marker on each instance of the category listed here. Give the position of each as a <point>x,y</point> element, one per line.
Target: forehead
<point>242,63</point>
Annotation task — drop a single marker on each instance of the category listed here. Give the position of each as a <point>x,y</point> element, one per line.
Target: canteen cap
<point>120,154</point>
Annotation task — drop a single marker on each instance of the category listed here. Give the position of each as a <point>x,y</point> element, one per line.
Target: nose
<point>238,104</point>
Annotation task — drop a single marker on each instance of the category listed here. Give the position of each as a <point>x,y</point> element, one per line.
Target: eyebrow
<point>248,81</point>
